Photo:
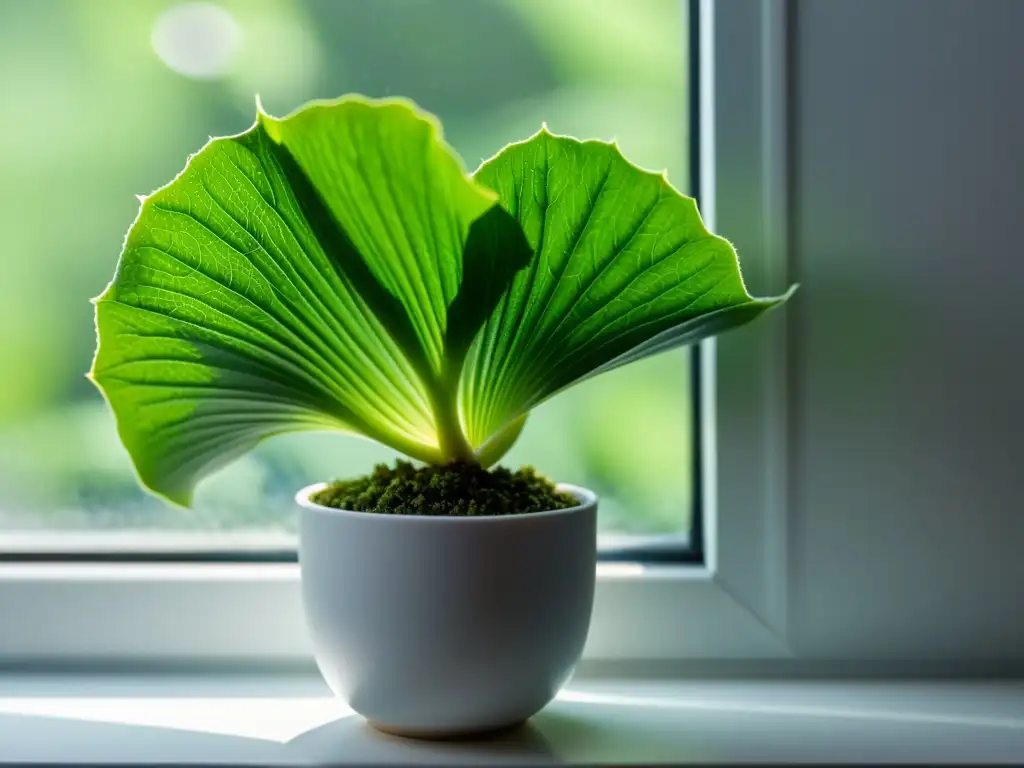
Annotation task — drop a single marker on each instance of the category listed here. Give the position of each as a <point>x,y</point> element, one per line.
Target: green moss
<point>456,489</point>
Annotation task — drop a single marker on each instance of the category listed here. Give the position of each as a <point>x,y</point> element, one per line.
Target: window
<point>106,100</point>
<point>805,153</point>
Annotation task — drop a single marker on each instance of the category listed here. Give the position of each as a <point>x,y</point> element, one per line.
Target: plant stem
<point>444,394</point>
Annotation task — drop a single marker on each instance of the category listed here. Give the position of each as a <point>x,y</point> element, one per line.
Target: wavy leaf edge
<point>500,439</point>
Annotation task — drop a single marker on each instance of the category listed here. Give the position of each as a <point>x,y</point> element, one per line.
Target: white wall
<point>906,165</point>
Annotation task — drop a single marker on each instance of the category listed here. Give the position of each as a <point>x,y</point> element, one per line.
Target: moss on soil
<point>458,489</point>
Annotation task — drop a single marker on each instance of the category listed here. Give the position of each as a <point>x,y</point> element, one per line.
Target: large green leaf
<point>623,268</point>
<point>326,270</point>
<point>338,269</point>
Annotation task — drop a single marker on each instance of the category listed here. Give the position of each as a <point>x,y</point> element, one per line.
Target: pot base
<point>428,734</point>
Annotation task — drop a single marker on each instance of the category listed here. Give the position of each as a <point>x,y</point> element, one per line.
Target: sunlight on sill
<point>787,710</point>
<point>282,720</point>
<point>266,719</point>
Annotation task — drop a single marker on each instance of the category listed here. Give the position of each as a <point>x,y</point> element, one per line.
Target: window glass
<point>101,101</point>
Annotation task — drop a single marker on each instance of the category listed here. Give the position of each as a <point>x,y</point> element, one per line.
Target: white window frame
<point>732,607</point>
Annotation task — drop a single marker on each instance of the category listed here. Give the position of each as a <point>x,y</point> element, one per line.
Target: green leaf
<point>338,269</point>
<point>399,195</point>
<point>323,271</point>
<point>624,268</point>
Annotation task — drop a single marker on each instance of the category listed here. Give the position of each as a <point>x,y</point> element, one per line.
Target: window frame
<point>731,605</point>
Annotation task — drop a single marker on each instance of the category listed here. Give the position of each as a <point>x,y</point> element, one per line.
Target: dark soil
<point>458,490</point>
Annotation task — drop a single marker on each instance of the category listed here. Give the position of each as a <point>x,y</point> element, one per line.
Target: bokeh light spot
<point>196,39</point>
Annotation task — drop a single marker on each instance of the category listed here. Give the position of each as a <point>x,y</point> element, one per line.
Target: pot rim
<point>586,497</point>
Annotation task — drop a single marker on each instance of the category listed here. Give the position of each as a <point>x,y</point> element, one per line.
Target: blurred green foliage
<point>104,99</point>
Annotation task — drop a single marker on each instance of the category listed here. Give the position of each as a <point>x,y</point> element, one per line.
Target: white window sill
<point>285,720</point>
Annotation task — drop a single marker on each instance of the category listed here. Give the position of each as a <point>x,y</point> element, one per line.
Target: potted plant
<point>338,269</point>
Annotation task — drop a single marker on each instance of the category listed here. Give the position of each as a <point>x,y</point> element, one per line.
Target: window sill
<point>149,614</point>
<point>290,719</point>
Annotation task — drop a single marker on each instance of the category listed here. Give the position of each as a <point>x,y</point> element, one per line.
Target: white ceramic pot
<point>444,626</point>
